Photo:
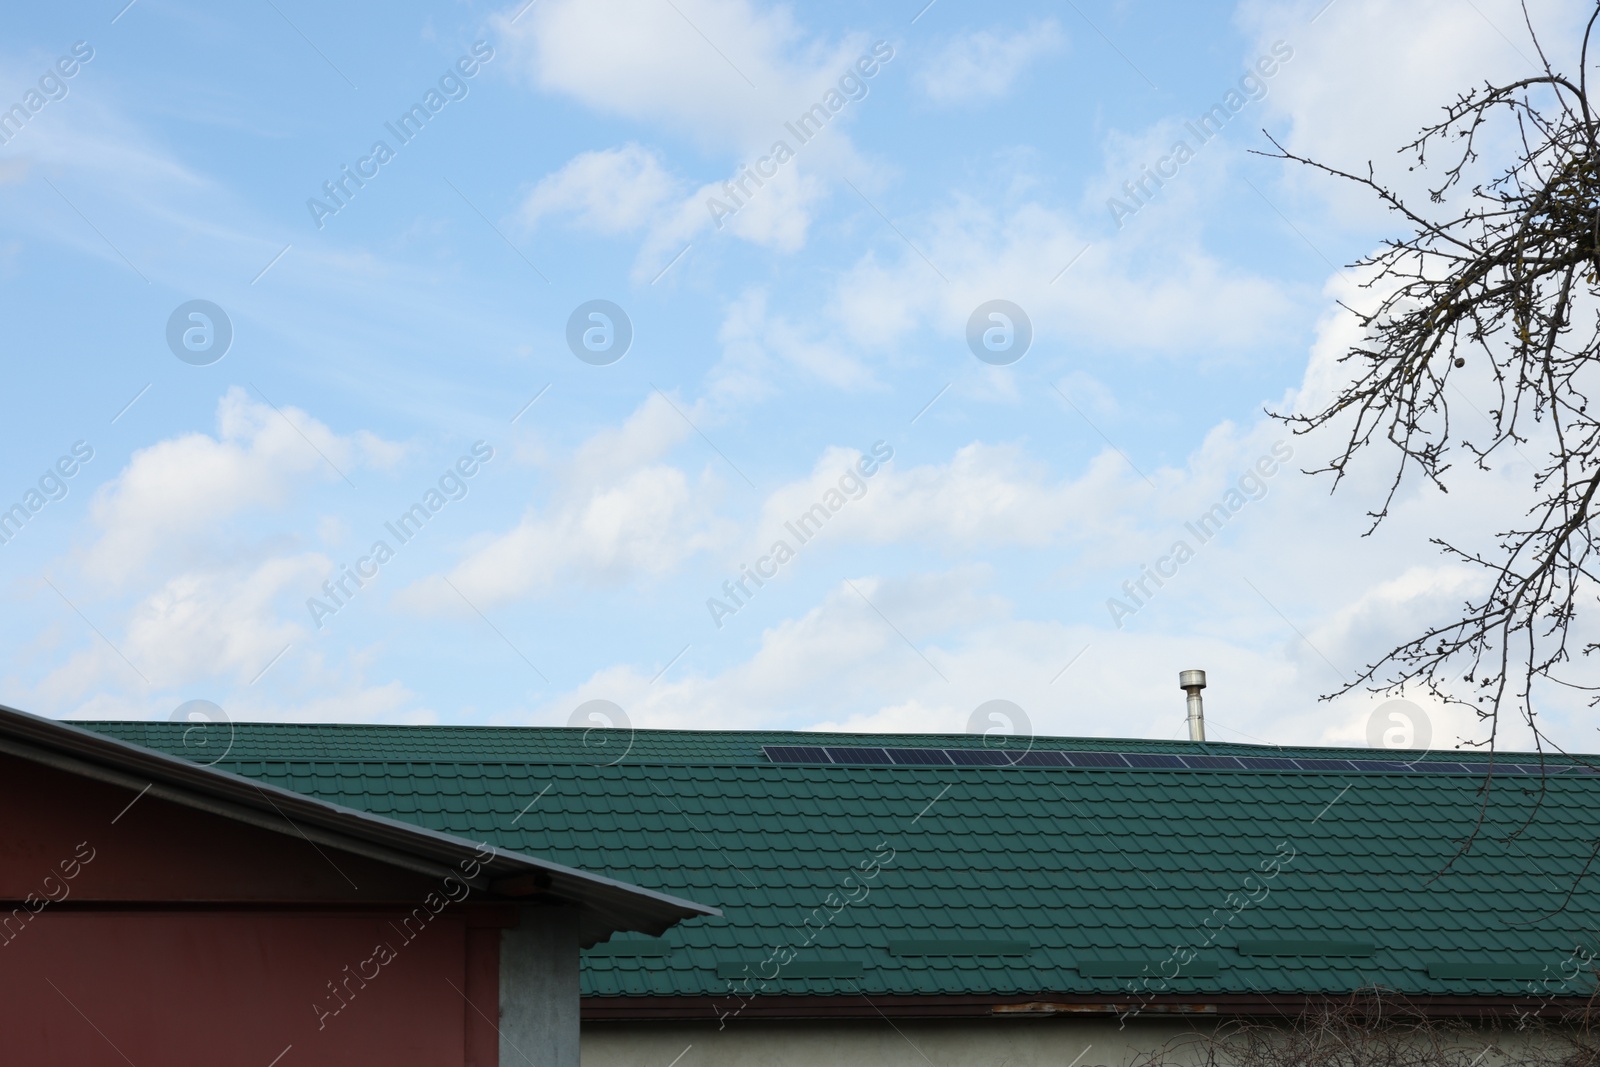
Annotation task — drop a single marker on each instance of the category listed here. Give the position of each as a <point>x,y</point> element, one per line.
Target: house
<point>915,899</point>
<point>159,910</point>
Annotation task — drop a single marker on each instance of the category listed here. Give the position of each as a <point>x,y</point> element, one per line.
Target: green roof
<point>950,880</point>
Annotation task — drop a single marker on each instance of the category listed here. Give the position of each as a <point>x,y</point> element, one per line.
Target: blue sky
<point>376,346</point>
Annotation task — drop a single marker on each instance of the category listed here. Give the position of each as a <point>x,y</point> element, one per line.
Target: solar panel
<point>919,757</point>
<point>1096,759</point>
<point>857,755</point>
<point>978,757</point>
<point>1152,759</point>
<point>795,754</point>
<point>1042,759</point>
<point>1326,765</point>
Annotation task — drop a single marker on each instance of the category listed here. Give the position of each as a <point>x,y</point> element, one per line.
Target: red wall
<point>178,937</point>
<point>239,988</point>
<point>160,851</point>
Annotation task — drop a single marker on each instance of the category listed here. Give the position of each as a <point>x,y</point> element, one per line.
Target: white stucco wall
<point>1037,1042</point>
<point>1057,1041</point>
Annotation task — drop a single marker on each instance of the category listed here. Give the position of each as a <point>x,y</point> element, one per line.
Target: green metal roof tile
<point>1085,865</point>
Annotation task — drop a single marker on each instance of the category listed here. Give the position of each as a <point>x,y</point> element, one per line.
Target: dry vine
<point>1376,1028</point>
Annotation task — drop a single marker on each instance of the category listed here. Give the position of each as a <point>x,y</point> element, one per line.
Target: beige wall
<point>1058,1041</point>
<point>1038,1042</point>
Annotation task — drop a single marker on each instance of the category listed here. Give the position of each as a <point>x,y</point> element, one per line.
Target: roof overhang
<point>607,905</point>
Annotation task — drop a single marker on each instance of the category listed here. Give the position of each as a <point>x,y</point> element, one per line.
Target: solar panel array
<point>856,755</point>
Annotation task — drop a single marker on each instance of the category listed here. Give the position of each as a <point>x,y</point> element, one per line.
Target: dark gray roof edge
<point>182,781</point>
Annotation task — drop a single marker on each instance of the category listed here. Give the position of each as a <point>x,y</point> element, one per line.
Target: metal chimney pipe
<point>1192,682</point>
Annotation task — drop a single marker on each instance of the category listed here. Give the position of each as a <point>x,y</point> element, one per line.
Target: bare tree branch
<point>1493,286</point>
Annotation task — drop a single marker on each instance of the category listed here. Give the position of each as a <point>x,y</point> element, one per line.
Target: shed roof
<point>1216,875</point>
<point>607,905</point>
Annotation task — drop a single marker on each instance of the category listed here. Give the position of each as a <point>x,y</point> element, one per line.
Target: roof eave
<point>611,905</point>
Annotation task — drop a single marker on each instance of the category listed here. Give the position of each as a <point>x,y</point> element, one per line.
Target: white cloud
<point>929,649</point>
<point>985,64</point>
<point>755,341</point>
<point>943,644</point>
<point>718,70</point>
<point>612,191</point>
<point>644,437</point>
<point>1346,113</point>
<point>629,189</point>
<point>198,624</point>
<point>1282,607</point>
<point>804,666</point>
<point>1185,298</point>
<point>778,213</point>
<point>350,702</point>
<point>673,65</point>
<point>172,495</point>
<point>641,525</point>
<point>225,623</point>
<point>986,496</point>
<point>621,514</point>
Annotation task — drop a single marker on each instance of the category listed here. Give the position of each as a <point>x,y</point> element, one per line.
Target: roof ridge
<point>1051,742</point>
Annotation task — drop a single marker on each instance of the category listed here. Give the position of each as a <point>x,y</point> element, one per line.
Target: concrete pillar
<point>539,990</point>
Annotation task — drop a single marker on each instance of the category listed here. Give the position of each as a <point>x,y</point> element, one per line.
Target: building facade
<point>160,911</point>
<point>923,899</point>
